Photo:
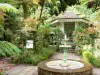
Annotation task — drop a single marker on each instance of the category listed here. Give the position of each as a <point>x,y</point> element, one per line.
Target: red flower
<point>1,70</point>
<point>10,67</point>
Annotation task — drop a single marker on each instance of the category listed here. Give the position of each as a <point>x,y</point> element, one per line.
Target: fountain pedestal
<point>65,46</point>
<point>65,54</point>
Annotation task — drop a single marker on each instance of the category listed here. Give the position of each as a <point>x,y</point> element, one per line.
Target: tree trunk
<point>25,10</point>
<point>42,6</point>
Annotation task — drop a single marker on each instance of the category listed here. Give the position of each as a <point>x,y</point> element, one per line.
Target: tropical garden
<point>22,20</point>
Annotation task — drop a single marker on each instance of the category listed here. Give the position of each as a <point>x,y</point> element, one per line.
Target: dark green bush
<point>8,49</point>
<point>96,62</point>
<point>29,57</point>
<point>1,31</point>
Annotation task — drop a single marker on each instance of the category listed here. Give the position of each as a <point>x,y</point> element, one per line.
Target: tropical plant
<point>2,14</point>
<point>57,37</point>
<point>29,57</point>
<point>31,24</point>
<point>11,22</point>
<point>8,8</point>
<point>1,31</point>
<point>8,49</point>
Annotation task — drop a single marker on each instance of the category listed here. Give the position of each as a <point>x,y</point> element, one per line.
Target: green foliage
<point>83,12</point>
<point>1,31</point>
<point>58,35</point>
<point>78,50</point>
<point>84,1</point>
<point>90,56</point>
<point>8,49</point>
<point>80,36</point>
<point>43,37</point>
<point>96,62</point>
<point>2,18</point>
<point>71,2</point>
<point>39,42</point>
<point>8,8</point>
<point>12,20</point>
<point>6,1</point>
<point>29,57</point>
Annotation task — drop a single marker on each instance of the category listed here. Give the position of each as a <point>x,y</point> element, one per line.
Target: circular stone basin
<point>74,67</point>
<point>57,64</point>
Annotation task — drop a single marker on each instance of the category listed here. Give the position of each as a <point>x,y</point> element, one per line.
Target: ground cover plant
<point>29,57</point>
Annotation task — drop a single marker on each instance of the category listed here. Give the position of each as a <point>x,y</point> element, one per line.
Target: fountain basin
<point>57,64</point>
<point>75,67</point>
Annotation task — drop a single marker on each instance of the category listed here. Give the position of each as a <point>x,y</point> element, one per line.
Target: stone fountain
<point>64,66</point>
<point>65,46</point>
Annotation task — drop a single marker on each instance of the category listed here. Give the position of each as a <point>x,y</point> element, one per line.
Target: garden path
<point>32,70</point>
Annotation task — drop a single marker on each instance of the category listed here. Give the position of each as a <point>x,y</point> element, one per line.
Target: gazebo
<point>68,22</point>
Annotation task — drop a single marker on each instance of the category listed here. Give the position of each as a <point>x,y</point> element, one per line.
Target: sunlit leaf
<point>7,7</point>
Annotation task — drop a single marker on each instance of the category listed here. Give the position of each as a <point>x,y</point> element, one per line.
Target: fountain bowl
<point>53,67</point>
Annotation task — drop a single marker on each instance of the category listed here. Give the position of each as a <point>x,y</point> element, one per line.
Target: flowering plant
<point>80,37</point>
<point>1,71</point>
<point>93,33</point>
<point>4,68</point>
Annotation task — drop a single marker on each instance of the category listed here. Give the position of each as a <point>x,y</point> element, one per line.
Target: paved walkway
<point>32,70</point>
<point>23,70</point>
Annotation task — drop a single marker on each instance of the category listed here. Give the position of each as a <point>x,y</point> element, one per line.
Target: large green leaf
<point>7,7</point>
<point>8,49</point>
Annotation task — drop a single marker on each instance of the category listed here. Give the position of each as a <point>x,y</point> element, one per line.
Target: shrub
<point>29,57</point>
<point>90,57</point>
<point>80,36</point>
<point>8,49</point>
<point>96,62</point>
<point>1,31</point>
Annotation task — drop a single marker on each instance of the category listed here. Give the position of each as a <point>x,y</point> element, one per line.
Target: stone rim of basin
<point>87,66</point>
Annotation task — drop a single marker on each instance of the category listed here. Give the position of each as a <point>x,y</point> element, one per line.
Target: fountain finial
<point>65,36</point>
<point>65,39</point>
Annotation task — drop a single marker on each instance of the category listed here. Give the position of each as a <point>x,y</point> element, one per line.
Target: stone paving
<point>23,70</point>
<point>32,70</point>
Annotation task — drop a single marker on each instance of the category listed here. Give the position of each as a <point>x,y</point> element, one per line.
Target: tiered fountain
<point>64,66</point>
<point>65,46</point>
